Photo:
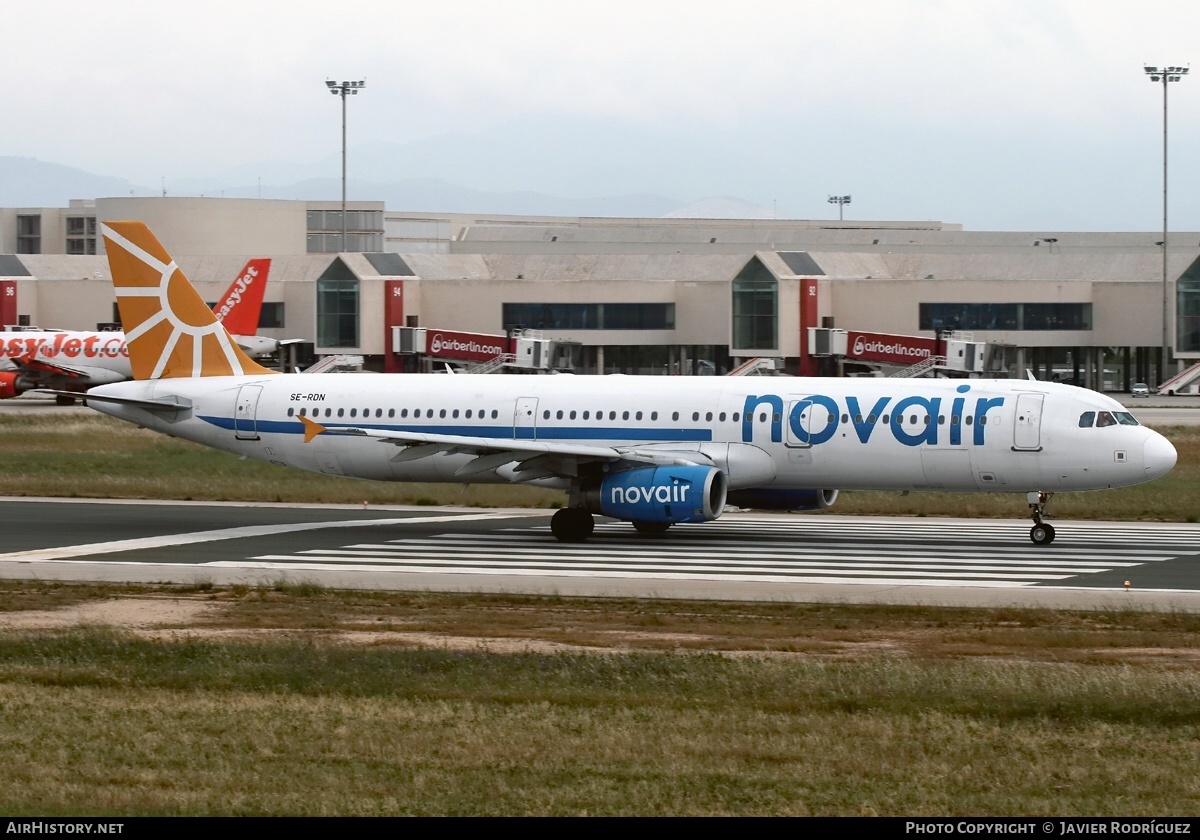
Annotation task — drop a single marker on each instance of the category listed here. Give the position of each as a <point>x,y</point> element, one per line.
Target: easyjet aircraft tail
<point>169,330</point>
<point>241,305</point>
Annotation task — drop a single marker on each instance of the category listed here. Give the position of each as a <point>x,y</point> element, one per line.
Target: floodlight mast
<point>1165,75</point>
<point>841,201</point>
<point>344,89</point>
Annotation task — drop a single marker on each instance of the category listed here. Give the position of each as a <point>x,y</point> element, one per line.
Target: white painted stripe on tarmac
<point>684,576</point>
<point>168,540</point>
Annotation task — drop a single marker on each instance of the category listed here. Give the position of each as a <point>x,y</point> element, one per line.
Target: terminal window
<point>755,308</point>
<point>589,316</point>
<point>337,307</point>
<point>29,234</point>
<point>1187,309</point>
<point>1005,316</point>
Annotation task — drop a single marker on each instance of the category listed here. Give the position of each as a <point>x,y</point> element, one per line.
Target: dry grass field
<point>295,700</point>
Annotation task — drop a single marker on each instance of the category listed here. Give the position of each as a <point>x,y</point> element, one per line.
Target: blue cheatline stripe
<point>499,433</point>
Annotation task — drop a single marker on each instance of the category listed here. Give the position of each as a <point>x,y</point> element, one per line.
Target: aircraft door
<point>244,425</point>
<point>525,419</point>
<point>1027,424</point>
<point>800,423</point>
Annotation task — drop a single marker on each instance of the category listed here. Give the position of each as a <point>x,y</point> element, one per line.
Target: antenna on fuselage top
<point>1029,375</point>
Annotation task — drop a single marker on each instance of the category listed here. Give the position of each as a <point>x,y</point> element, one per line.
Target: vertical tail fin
<point>169,330</point>
<point>239,308</point>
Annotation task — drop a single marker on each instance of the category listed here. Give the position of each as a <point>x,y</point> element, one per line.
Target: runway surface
<point>742,556</point>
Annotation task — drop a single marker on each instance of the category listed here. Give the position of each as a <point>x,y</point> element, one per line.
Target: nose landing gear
<point>1042,532</point>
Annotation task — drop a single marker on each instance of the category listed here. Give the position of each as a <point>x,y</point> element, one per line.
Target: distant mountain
<point>721,207</point>
<point>28,182</point>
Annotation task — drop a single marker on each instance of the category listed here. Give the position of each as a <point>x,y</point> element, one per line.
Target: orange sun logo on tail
<point>169,330</point>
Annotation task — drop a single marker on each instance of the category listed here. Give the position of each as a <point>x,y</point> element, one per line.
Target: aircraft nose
<point>1160,456</point>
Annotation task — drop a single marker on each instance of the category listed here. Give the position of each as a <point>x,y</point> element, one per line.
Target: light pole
<point>841,201</point>
<point>1165,75</point>
<point>344,89</point>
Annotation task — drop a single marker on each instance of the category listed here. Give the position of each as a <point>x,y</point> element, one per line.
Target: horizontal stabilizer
<point>164,405</point>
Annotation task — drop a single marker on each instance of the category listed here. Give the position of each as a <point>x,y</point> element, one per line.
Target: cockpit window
<point>1106,418</point>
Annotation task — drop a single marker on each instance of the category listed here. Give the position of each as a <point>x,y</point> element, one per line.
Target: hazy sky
<point>1008,115</point>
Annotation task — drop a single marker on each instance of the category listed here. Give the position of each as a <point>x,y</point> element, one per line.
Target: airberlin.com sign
<point>468,347</point>
<point>894,349</point>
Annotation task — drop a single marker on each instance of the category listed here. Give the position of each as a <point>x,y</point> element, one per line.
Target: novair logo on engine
<point>658,494</point>
<point>912,420</point>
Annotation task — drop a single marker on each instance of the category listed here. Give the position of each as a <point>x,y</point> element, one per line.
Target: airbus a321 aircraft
<point>72,360</point>
<point>654,451</point>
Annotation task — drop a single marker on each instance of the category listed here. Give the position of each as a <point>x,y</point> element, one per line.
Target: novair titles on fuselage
<point>912,420</point>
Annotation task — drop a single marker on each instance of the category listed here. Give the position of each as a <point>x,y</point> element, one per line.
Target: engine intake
<point>660,494</point>
<point>8,384</point>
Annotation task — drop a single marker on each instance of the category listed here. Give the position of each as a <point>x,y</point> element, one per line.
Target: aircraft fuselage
<point>776,432</point>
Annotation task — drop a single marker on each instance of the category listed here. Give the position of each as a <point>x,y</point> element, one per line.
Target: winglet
<point>311,428</point>
<point>169,330</point>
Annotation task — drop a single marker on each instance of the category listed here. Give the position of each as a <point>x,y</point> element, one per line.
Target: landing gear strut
<point>1042,532</point>
<point>572,525</point>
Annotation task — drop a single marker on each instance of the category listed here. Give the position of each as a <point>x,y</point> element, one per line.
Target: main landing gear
<point>651,527</point>
<point>572,525</point>
<point>1042,532</point>
<point>576,525</point>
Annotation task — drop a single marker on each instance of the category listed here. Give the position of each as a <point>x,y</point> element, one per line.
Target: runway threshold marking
<point>168,540</point>
<point>795,553</point>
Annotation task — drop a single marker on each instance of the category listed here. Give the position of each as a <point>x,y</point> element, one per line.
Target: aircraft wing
<point>35,368</point>
<point>39,372</point>
<point>540,458</point>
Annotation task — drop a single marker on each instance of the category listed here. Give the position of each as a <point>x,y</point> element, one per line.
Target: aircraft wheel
<point>59,399</point>
<point>1042,534</point>
<point>651,527</point>
<point>572,525</point>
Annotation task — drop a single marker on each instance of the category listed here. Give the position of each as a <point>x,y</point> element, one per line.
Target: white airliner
<point>73,360</point>
<point>650,450</point>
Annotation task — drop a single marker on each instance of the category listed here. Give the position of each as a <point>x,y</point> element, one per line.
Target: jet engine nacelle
<point>8,384</point>
<point>257,346</point>
<point>660,494</point>
<point>766,498</point>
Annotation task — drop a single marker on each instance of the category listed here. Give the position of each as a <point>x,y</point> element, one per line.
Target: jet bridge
<point>955,354</point>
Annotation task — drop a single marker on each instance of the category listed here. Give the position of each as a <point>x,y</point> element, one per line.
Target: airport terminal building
<point>652,296</point>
